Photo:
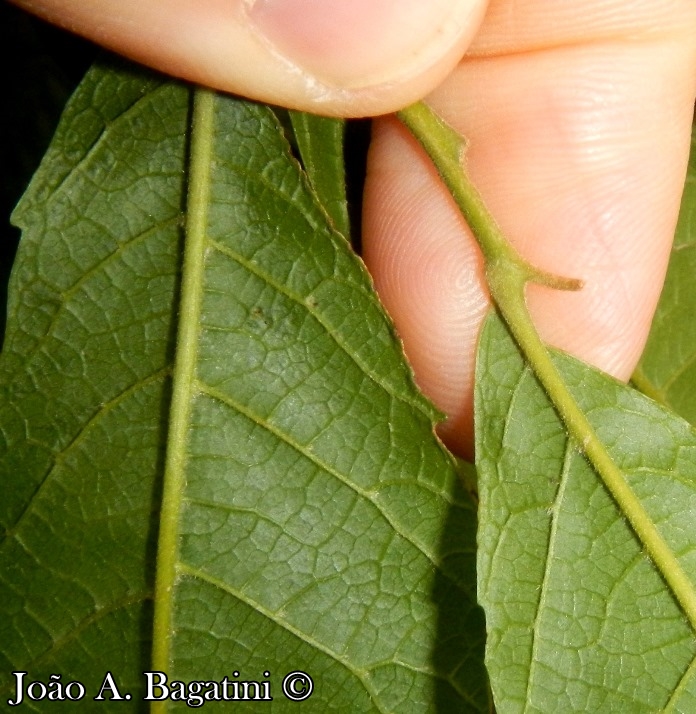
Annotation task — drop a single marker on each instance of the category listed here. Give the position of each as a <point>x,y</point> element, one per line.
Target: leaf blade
<point>83,386</point>
<point>318,507</point>
<point>582,571</point>
<point>301,410</point>
<point>320,143</point>
<point>667,368</point>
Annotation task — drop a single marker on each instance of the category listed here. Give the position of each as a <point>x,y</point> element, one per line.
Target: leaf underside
<point>667,369</point>
<point>578,618</point>
<point>320,145</point>
<point>322,526</point>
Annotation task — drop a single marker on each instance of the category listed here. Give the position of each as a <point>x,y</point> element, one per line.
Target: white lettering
<point>108,685</point>
<point>160,683</point>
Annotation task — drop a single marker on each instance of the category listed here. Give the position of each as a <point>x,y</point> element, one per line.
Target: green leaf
<point>578,618</point>
<point>199,387</point>
<point>320,143</point>
<point>667,369</point>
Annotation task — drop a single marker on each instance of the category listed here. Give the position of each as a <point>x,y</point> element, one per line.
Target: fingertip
<point>333,57</point>
<point>428,275</point>
<point>581,178</point>
<point>381,54</point>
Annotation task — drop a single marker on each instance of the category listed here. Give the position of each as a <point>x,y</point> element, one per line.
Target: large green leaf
<point>578,618</point>
<point>311,520</point>
<point>667,370</point>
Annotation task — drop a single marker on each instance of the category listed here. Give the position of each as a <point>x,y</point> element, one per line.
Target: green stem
<point>507,275</point>
<point>183,381</point>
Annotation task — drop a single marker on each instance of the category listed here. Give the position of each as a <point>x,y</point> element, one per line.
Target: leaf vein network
<point>103,136</point>
<point>361,675</point>
<point>67,294</point>
<point>335,336</point>
<point>103,410</point>
<point>99,614</point>
<point>326,468</point>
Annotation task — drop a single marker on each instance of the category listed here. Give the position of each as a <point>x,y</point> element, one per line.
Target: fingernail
<point>356,43</point>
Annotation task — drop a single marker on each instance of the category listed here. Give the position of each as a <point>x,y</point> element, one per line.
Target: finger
<point>345,57</point>
<point>580,153</point>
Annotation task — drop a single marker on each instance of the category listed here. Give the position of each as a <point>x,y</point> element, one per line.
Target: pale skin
<point>578,116</point>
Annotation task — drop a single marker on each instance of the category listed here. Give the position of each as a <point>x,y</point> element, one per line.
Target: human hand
<point>578,116</point>
<point>579,120</point>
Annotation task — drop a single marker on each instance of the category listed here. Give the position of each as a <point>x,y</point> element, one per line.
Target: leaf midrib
<point>183,381</point>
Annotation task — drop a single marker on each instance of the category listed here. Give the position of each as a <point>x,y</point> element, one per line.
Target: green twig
<point>507,275</point>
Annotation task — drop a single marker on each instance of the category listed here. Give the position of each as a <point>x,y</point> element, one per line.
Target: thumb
<point>337,57</point>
